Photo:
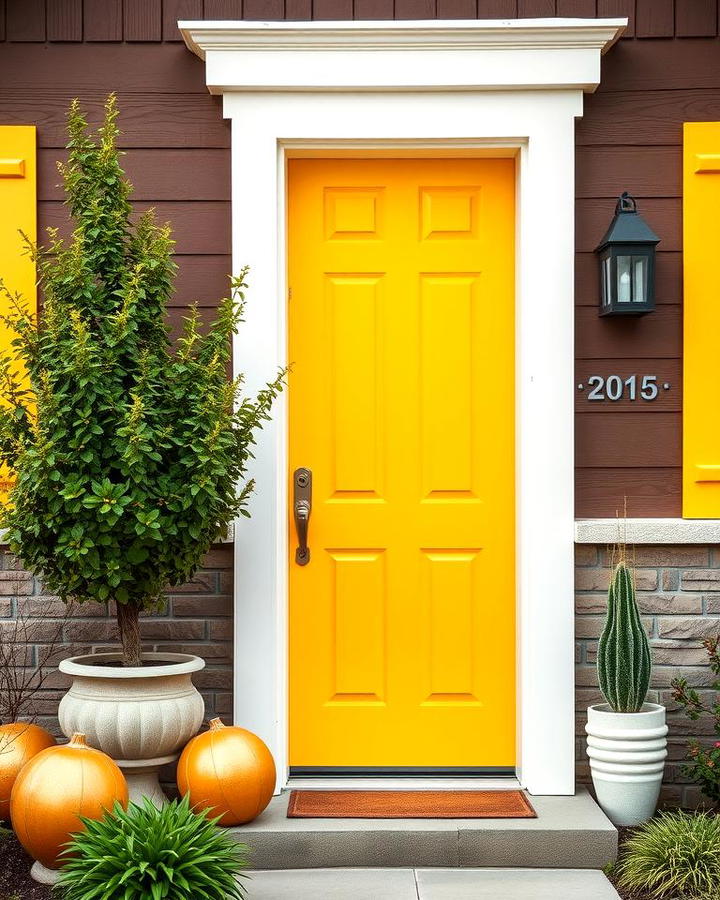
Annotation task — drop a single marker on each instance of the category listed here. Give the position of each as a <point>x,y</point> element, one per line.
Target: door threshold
<point>424,783</point>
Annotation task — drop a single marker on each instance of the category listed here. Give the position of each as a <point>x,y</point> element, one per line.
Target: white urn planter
<point>140,716</point>
<point>627,757</point>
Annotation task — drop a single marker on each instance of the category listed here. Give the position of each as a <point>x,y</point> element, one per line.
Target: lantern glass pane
<point>639,286</point>
<point>607,282</point>
<point>624,279</point>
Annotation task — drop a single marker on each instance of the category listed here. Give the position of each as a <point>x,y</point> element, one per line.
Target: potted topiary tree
<point>626,740</point>
<point>129,453</point>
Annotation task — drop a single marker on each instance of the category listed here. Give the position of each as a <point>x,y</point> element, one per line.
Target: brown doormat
<point>409,805</point>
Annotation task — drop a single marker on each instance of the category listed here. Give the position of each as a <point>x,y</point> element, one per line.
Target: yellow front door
<point>401,336</point>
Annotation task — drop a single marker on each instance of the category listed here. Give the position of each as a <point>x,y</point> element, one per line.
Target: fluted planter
<point>627,758</point>
<point>140,716</point>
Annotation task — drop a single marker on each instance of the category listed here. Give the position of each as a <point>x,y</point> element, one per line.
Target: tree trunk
<point>128,618</point>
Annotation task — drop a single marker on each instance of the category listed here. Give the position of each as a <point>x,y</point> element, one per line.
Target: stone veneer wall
<point>679,598</point>
<point>197,618</point>
<point>678,592</point>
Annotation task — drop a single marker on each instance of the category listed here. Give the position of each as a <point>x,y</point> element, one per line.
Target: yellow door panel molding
<point>707,163</point>
<point>401,402</point>
<point>707,473</point>
<point>12,168</point>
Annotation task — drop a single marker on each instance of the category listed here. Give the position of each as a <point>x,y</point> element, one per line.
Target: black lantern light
<point>627,263</point>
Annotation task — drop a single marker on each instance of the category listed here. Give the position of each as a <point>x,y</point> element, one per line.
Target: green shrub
<point>704,761</point>
<point>130,454</point>
<point>153,854</point>
<point>675,855</point>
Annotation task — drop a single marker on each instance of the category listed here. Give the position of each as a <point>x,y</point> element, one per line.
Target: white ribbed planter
<point>627,757</point>
<point>140,716</point>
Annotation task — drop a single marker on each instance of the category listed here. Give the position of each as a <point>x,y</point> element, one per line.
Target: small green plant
<point>147,853</point>
<point>703,766</point>
<point>623,659</point>
<point>129,453</point>
<point>674,855</point>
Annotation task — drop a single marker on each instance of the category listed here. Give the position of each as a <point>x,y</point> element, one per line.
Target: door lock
<point>302,507</point>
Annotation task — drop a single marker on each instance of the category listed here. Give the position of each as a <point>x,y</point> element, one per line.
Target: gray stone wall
<point>678,592</point>
<point>197,618</point>
<point>679,598</point>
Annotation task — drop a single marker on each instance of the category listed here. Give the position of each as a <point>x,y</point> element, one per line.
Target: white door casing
<point>406,88</point>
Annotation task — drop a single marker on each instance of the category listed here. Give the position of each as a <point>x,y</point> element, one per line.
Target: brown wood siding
<point>630,137</point>
<point>175,139</point>
<point>666,71</point>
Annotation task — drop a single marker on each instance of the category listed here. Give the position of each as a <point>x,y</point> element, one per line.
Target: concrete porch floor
<point>568,833</point>
<point>430,884</point>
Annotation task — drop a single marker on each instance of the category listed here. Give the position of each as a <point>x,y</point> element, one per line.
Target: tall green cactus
<point>623,659</point>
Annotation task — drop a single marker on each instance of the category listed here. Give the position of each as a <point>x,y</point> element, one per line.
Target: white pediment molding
<point>434,55</point>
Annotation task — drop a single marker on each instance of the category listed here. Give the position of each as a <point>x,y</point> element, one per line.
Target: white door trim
<point>389,106</point>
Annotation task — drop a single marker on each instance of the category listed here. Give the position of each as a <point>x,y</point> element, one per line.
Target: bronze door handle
<point>302,507</point>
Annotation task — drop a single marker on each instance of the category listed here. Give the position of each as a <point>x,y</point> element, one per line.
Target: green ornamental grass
<point>153,854</point>
<point>676,855</point>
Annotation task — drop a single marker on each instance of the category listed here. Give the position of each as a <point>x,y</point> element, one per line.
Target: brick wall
<point>679,598</point>
<point>197,618</point>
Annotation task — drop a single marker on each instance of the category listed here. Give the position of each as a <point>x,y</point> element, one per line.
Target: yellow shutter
<point>701,390</point>
<point>18,212</point>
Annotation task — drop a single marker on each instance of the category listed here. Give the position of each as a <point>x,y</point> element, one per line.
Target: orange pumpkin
<point>19,742</point>
<point>229,771</point>
<point>55,788</point>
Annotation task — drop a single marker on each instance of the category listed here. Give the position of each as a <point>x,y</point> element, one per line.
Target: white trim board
<point>416,34</point>
<point>402,55</point>
<point>647,531</point>
<point>404,101</point>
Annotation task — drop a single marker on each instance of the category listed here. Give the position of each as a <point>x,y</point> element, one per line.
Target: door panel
<point>401,336</point>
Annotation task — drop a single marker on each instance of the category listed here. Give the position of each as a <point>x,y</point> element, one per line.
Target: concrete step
<point>568,833</point>
<point>430,884</point>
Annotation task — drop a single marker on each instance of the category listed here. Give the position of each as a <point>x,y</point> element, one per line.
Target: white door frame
<point>438,88</point>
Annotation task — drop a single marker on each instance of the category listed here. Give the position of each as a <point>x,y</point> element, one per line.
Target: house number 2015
<point>614,387</point>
